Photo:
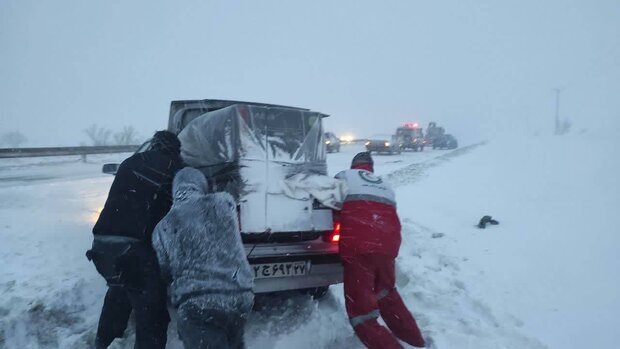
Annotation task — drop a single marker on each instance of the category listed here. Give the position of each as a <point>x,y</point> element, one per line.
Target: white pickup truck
<point>249,149</point>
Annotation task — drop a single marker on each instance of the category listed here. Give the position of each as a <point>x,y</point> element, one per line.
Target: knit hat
<point>166,141</point>
<point>362,158</point>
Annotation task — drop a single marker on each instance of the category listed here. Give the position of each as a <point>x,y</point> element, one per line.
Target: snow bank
<point>549,270</point>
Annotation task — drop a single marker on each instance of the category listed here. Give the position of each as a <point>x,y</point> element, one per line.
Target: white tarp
<point>250,151</point>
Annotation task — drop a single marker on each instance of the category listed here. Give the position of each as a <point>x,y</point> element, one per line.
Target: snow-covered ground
<point>546,277</point>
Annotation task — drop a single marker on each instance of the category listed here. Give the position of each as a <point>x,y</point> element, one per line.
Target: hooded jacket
<point>199,247</point>
<point>369,221</point>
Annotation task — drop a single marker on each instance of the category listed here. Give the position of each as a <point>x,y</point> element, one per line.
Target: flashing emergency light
<point>411,124</point>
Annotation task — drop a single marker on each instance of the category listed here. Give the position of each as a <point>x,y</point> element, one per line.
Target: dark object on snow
<point>201,255</point>
<point>487,220</point>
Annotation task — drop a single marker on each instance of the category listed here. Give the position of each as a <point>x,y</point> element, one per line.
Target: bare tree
<point>98,135</point>
<point>13,139</point>
<point>127,136</point>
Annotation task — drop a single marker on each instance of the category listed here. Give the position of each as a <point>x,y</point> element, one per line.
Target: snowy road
<point>50,294</point>
<point>515,285</point>
<point>27,171</point>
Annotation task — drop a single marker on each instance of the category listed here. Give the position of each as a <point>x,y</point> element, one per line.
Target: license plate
<point>278,270</point>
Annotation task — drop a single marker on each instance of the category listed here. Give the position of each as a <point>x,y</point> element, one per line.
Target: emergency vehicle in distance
<point>410,136</point>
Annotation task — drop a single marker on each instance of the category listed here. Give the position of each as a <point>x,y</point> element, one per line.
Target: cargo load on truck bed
<point>249,151</point>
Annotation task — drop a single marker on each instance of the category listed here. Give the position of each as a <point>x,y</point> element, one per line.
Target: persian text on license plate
<point>276,270</point>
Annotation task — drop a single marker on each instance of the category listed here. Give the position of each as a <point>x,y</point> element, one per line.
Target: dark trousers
<point>150,312</point>
<point>369,293</point>
<point>210,329</point>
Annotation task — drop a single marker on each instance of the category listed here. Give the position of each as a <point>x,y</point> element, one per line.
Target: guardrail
<point>6,153</point>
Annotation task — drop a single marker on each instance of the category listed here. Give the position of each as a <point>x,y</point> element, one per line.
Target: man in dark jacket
<point>369,243</point>
<point>139,198</point>
<point>201,255</point>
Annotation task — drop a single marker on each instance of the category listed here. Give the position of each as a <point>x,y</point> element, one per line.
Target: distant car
<point>383,144</point>
<point>445,142</point>
<point>411,137</point>
<point>332,143</point>
<point>347,139</point>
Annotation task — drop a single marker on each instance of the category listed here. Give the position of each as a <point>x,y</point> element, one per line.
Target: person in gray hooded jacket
<point>201,255</point>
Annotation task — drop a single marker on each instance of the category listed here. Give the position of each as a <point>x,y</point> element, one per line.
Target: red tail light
<point>334,236</point>
<point>336,232</point>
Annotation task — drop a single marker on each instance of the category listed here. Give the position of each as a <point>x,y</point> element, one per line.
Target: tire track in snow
<point>414,172</point>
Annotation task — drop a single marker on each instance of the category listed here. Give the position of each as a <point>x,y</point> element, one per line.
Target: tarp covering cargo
<point>249,151</point>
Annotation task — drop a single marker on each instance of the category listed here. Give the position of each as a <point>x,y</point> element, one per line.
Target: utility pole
<point>557,111</point>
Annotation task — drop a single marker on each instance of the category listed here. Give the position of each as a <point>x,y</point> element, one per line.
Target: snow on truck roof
<point>215,104</point>
<point>201,106</point>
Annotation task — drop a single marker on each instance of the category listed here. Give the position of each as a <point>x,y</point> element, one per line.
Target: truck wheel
<point>422,148</point>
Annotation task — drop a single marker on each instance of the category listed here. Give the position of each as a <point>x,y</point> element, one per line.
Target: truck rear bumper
<point>322,259</point>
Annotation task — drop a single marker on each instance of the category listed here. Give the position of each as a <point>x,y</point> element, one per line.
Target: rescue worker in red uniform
<point>369,243</point>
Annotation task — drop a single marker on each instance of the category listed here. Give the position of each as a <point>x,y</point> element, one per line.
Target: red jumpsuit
<point>369,243</point>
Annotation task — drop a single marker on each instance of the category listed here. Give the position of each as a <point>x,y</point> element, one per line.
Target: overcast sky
<point>473,66</point>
